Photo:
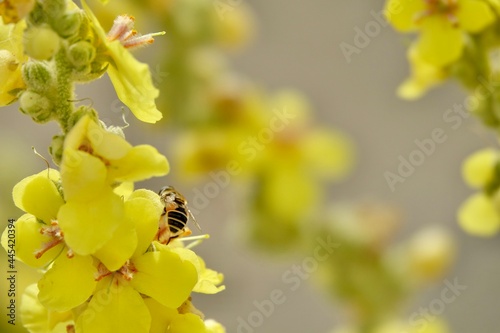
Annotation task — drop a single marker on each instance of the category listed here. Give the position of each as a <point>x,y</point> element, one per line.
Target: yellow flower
<point>441,23</point>
<point>11,59</point>
<point>95,160</point>
<point>38,238</point>
<point>162,275</point>
<point>131,78</point>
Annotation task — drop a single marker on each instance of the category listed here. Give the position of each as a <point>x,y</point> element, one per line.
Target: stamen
<point>141,40</point>
<point>53,231</point>
<point>46,247</point>
<point>121,25</point>
<point>128,270</point>
<point>123,31</point>
<point>102,272</point>
<point>196,240</point>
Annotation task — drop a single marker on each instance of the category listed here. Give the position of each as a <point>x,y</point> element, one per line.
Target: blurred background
<point>297,44</point>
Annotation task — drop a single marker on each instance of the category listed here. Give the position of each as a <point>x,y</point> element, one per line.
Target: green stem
<point>65,90</point>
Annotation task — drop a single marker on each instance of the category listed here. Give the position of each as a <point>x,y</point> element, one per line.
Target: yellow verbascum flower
<point>11,60</point>
<point>162,275</point>
<point>39,239</point>
<point>441,24</point>
<point>94,160</point>
<point>132,79</point>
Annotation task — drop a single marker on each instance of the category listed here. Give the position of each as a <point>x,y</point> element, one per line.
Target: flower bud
<point>56,148</point>
<point>81,53</point>
<point>36,106</point>
<point>54,8</point>
<point>41,43</point>
<point>68,24</point>
<point>37,75</point>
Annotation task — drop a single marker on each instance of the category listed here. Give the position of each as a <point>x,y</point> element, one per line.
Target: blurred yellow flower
<point>441,24</point>
<point>423,76</point>
<point>11,60</point>
<point>478,170</point>
<point>479,216</point>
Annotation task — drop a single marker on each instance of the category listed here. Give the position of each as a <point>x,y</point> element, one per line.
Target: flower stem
<point>65,90</point>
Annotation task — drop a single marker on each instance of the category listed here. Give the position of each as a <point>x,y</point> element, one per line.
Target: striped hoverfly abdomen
<point>175,216</point>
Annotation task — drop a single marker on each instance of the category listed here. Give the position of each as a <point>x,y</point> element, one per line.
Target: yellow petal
<point>144,209</point>
<point>473,16</point>
<point>59,292</point>
<point>329,154</point>
<point>133,84</point>
<point>288,193</point>
<point>83,175</point>
<point>164,276</point>
<point>214,327</point>
<point>29,240</point>
<point>88,225</point>
<point>161,315</point>
<point>120,247</point>
<point>439,43</point>
<point>115,309</point>
<point>208,280</point>
<point>402,14</point>
<point>105,144</point>
<point>11,59</point>
<point>37,319</point>
<point>478,169</point>
<point>423,76</point>
<point>38,195</point>
<point>478,216</point>
<point>187,323</point>
<point>124,190</point>
<point>141,162</point>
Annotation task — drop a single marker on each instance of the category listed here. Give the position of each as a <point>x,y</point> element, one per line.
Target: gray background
<point>297,46</point>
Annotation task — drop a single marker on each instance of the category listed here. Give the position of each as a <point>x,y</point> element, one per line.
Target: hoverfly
<point>175,216</point>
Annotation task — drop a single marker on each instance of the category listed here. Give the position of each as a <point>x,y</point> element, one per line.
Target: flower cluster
<point>269,144</point>
<point>85,227</point>
<point>371,274</point>
<point>459,39</point>
<point>448,34</point>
